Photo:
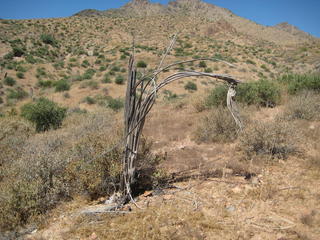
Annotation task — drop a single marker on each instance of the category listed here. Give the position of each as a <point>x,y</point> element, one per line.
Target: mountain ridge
<point>208,11</point>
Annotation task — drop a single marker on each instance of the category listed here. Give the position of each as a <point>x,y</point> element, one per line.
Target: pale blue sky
<point>304,14</point>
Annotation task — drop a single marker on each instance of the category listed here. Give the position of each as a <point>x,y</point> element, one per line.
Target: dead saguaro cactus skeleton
<point>140,98</point>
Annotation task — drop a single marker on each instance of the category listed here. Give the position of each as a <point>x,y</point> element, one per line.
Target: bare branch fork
<point>140,98</point>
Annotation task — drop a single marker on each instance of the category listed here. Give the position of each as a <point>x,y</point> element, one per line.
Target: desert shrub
<point>85,63</point>
<point>89,73</point>
<point>263,93</point>
<point>90,100</point>
<point>191,86</point>
<point>18,51</point>
<point>272,140</point>
<point>217,126</point>
<point>208,70</point>
<point>17,93</point>
<point>115,69</point>
<point>296,83</point>
<point>9,81</point>
<point>119,80</point>
<point>202,64</point>
<point>169,95</point>
<point>62,85</point>
<point>305,105</point>
<point>217,97</point>
<point>20,74</point>
<point>115,103</point>
<point>1,100</point>
<point>45,83</point>
<point>45,114</point>
<point>106,79</point>
<point>48,39</point>
<point>142,64</point>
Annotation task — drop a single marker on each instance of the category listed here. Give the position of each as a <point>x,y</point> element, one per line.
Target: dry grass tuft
<point>272,140</point>
<point>217,126</point>
<point>306,106</point>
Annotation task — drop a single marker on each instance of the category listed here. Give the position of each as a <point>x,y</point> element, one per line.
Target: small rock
<point>231,208</point>
<point>237,189</point>
<point>93,236</point>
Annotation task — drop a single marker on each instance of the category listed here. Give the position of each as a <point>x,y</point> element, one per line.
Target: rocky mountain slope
<point>212,13</point>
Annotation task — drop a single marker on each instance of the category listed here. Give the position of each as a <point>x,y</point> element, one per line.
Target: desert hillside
<point>63,84</point>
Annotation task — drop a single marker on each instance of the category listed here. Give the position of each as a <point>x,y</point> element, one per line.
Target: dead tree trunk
<point>139,103</point>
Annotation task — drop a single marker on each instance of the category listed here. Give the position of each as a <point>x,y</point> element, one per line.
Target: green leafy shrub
<point>142,64</point>
<point>45,114</point>
<point>217,97</point>
<point>85,63</point>
<point>20,74</point>
<point>296,83</point>
<point>48,39</point>
<point>202,64</point>
<point>119,80</point>
<point>45,84</point>
<point>9,81</point>
<point>62,85</point>
<point>89,73</point>
<point>18,51</point>
<point>17,93</point>
<point>90,100</point>
<point>115,103</point>
<point>191,86</point>
<point>263,93</point>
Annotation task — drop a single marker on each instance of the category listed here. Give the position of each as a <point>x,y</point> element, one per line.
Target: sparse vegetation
<point>271,140</point>
<point>217,126</point>
<point>9,81</point>
<point>191,86</point>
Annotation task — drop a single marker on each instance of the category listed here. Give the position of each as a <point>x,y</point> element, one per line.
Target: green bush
<point>18,93</point>
<point>141,64</point>
<point>202,64</point>
<point>106,79</point>
<point>296,83</point>
<point>48,39</point>
<point>20,74</point>
<point>1,100</point>
<point>89,73</point>
<point>9,81</point>
<point>90,100</point>
<point>18,51</point>
<point>45,114</point>
<point>191,86</point>
<point>266,93</point>
<point>119,80</point>
<point>45,84</point>
<point>217,97</point>
<point>115,103</point>
<point>62,85</point>
<point>263,93</point>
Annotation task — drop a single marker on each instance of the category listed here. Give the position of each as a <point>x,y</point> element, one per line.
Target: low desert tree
<point>45,114</point>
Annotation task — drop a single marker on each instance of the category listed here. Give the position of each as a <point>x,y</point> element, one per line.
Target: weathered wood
<point>138,105</point>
